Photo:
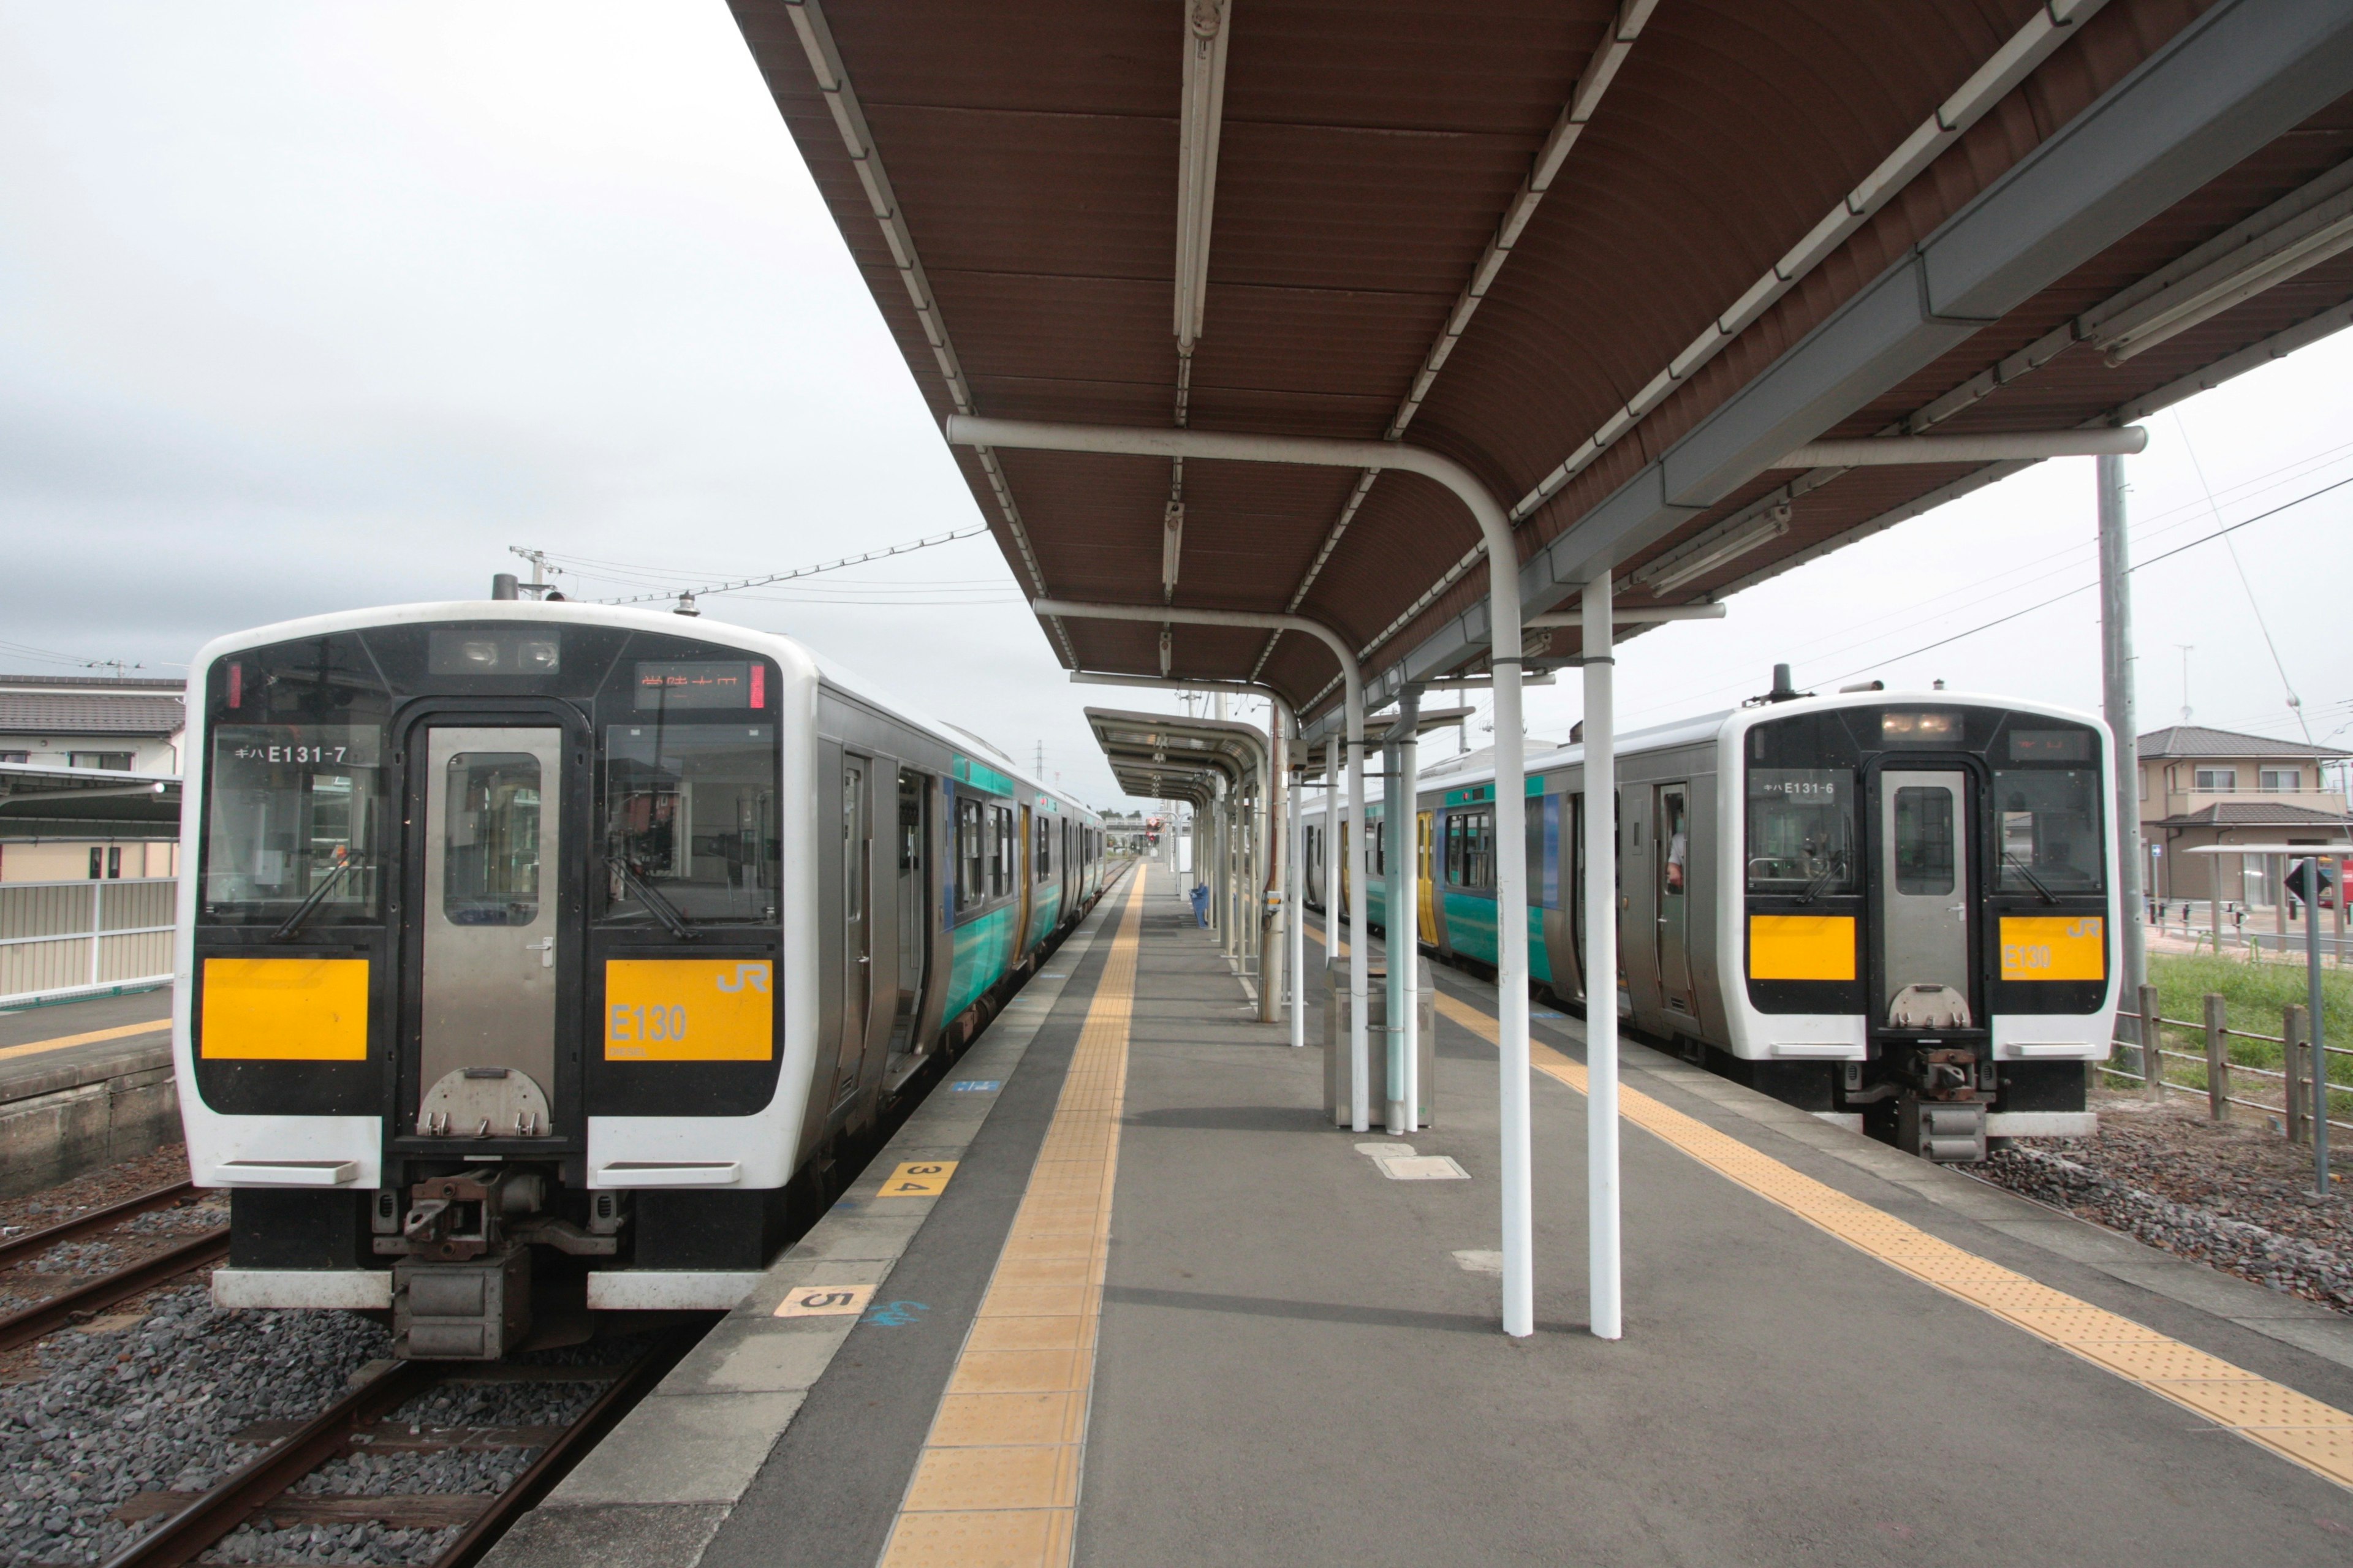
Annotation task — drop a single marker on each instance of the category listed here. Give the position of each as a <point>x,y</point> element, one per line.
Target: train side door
<point>1672,831</point>
<point>1923,898</point>
<point>1023,853</point>
<point>492,809</point>
<point>1424,822</point>
<point>913,850</point>
<point>857,921</point>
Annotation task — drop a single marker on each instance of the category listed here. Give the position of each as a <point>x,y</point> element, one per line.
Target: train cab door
<point>857,921</point>
<point>492,956</point>
<point>1671,830</point>
<point>1921,899</point>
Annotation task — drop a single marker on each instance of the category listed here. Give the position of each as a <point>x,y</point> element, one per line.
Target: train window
<point>1470,848</point>
<point>2050,823</point>
<point>1044,866</point>
<point>972,856</point>
<point>1923,850</point>
<point>291,815</point>
<point>491,858</point>
<point>691,822</point>
<point>1001,851</point>
<point>1800,831</point>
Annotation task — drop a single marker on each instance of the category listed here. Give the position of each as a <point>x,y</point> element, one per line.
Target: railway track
<point>104,1290</point>
<point>264,1487</point>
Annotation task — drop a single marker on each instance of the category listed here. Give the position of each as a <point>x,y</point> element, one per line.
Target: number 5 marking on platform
<point>825,1300</point>
<point>922,1179</point>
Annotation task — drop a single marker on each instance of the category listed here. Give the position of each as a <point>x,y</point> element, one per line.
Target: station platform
<point>82,1085</point>
<point>1148,1307</point>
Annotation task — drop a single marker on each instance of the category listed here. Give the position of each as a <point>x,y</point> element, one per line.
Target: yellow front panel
<point>690,1010</point>
<point>1801,947</point>
<point>2054,947</point>
<point>284,1009</point>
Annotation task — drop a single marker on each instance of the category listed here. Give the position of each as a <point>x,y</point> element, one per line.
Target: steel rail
<point>213,1514</point>
<point>271,1475</point>
<point>18,1248</point>
<point>557,1458</point>
<point>42,1317</point>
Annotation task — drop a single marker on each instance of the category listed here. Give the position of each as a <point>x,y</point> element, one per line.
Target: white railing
<point>74,939</point>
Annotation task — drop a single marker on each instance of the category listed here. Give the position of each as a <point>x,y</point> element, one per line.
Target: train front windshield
<point>294,813</point>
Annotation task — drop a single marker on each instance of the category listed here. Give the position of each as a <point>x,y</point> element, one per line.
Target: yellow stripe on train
<point>2054,947</point>
<point>1801,947</point>
<point>690,1010</point>
<point>284,1009</point>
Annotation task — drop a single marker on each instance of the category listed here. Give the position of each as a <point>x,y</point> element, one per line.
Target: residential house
<point>2201,786</point>
<point>118,724</point>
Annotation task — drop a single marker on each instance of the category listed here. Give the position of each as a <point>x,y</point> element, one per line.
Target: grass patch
<point>2255,996</point>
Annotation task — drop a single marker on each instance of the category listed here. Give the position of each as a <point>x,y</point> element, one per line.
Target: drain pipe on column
<point>1511,737</point>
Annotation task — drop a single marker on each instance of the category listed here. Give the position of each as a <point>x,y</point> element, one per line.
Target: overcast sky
<point>305,308</point>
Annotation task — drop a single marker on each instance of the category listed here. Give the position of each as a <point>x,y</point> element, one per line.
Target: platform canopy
<point>1157,756</point>
<point>1622,261</point>
<point>86,803</point>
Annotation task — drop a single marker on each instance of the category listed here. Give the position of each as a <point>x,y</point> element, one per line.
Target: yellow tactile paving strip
<point>996,1484</point>
<point>2294,1425</point>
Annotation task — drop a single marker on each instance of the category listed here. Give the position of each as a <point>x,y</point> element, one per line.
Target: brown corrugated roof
<point>81,711</point>
<point>2255,814</point>
<point>2196,741</point>
<point>1027,157</point>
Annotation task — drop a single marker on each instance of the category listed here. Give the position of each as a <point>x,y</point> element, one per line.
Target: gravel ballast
<point>2234,1196</point>
<point>152,1400</point>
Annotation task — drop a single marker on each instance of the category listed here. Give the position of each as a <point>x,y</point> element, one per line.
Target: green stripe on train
<point>983,951</point>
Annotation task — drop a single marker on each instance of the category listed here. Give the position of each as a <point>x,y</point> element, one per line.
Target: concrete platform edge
<point>659,1487</point>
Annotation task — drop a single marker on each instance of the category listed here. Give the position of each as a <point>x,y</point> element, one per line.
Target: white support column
<point>1294,900</point>
<point>1399,963</point>
<point>2116,693</point>
<point>1409,789</point>
<point>1602,967</point>
<point>1360,863</point>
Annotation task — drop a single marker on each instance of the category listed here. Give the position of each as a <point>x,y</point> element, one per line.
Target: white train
<point>542,959</point>
<point>1897,908</point>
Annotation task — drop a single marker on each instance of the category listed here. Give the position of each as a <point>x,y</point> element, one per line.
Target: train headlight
<point>1914,729</point>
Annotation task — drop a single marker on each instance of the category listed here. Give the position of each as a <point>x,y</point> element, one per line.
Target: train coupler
<point>1949,1131</point>
<point>473,1311</point>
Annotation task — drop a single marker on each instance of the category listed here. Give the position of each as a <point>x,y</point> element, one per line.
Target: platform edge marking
<point>985,1485</point>
<point>2075,1326</point>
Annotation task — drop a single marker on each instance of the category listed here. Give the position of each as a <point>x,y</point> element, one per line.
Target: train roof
<point>1708,727</point>
<point>665,621</point>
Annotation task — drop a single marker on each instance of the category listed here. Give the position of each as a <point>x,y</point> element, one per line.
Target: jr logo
<point>752,974</point>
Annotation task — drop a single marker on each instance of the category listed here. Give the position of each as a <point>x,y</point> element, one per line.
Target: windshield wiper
<point>2032,880</point>
<point>660,907</point>
<point>303,910</point>
<point>1814,889</point>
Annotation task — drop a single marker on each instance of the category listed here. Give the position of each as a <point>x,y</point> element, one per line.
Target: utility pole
<point>2116,693</point>
<point>2187,648</point>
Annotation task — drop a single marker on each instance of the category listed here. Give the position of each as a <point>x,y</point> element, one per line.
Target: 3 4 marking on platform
<point>825,1301</point>
<point>918,1179</point>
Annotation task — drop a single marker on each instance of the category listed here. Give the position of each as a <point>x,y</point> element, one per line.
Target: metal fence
<point>2213,1072</point>
<point>66,939</point>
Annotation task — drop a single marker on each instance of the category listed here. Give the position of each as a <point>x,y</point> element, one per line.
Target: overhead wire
<point>2185,515</point>
<point>2087,587</point>
<point>2294,702</point>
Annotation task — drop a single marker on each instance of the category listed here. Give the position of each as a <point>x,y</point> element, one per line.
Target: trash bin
<point>1338,1098</point>
<point>1201,904</point>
